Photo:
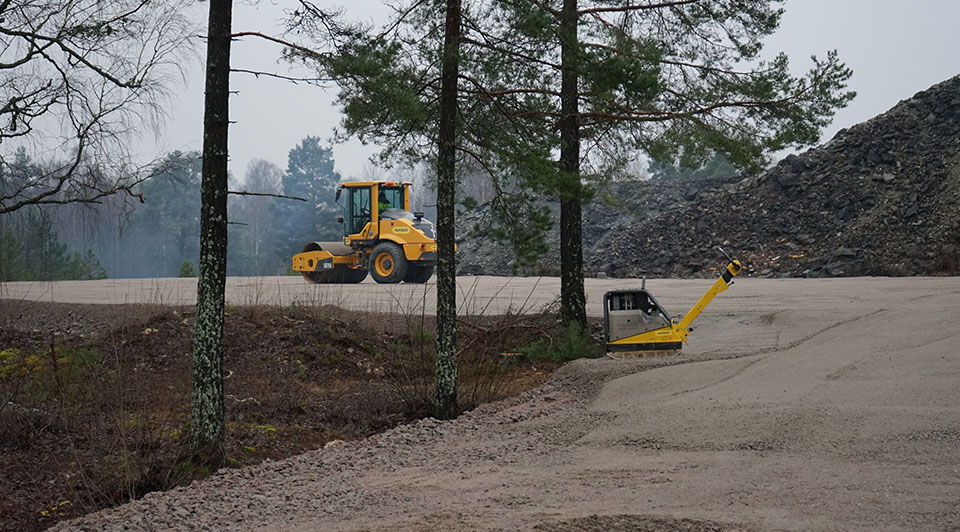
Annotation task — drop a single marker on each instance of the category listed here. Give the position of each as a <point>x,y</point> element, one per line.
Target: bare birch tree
<point>78,79</point>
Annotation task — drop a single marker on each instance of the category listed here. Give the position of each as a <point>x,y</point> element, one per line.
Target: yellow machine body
<point>634,321</point>
<point>375,213</point>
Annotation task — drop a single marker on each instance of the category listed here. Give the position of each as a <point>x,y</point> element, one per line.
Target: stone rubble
<point>880,198</point>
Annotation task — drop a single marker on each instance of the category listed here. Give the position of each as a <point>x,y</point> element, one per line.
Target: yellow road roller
<point>381,237</point>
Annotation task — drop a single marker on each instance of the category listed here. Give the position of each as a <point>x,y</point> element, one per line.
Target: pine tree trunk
<point>573,303</point>
<point>207,414</point>
<point>446,398</point>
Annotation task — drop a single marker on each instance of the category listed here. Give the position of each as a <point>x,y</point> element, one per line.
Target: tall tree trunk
<point>572,298</point>
<point>207,423</point>
<point>447,407</point>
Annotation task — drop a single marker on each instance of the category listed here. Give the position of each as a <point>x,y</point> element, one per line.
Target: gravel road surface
<point>800,405</point>
<point>478,294</point>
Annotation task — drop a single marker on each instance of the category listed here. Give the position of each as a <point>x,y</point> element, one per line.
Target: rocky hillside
<point>880,198</point>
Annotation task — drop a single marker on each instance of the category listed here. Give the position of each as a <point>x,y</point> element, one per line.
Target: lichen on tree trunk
<point>207,411</point>
<point>446,396</point>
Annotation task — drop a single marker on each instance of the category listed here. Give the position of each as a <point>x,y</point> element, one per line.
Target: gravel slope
<point>804,405</point>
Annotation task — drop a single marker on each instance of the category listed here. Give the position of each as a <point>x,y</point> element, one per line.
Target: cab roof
<point>350,184</point>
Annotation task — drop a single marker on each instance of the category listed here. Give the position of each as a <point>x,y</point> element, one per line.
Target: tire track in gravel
<point>766,353</point>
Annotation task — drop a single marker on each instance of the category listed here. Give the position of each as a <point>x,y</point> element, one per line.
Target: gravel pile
<point>880,198</point>
<point>323,483</point>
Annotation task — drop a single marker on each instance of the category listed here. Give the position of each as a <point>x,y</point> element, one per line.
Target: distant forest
<point>159,236</point>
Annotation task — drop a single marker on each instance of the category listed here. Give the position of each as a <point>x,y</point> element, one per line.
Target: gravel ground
<point>807,405</point>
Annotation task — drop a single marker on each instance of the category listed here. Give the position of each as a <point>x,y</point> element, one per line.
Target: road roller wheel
<point>317,277</point>
<point>387,263</point>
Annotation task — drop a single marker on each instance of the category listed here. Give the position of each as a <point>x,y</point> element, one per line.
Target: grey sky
<point>895,49</point>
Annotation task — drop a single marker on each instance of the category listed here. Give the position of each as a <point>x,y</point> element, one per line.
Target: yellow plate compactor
<point>634,321</point>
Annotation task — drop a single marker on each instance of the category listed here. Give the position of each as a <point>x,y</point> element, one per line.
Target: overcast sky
<point>895,49</point>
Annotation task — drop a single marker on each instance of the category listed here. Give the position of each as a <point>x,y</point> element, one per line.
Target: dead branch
<point>264,194</point>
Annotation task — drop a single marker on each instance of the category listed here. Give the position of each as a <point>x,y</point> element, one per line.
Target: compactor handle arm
<point>725,254</point>
<point>726,279</point>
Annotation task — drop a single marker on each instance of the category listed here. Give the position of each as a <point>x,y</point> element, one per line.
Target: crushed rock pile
<point>880,198</point>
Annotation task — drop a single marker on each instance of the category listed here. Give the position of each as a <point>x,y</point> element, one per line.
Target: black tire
<point>322,277</point>
<point>338,275</point>
<point>388,264</point>
<point>344,275</point>
<point>419,274</point>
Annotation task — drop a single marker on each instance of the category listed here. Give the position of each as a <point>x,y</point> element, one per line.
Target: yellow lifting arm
<point>726,279</point>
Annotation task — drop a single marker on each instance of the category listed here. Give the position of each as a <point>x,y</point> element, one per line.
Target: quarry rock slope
<point>880,198</point>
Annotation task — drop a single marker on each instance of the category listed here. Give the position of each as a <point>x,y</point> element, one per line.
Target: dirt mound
<point>95,399</point>
<point>881,198</point>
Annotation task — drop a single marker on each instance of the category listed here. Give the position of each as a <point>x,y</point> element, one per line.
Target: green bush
<point>571,343</point>
<point>83,267</point>
<point>187,270</point>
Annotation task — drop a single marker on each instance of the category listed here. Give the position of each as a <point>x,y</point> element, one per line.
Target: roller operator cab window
<point>390,198</point>
<point>358,210</point>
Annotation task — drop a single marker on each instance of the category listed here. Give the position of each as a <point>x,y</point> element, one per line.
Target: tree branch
<point>636,7</point>
<point>300,48</point>
<point>264,194</point>
<point>292,79</point>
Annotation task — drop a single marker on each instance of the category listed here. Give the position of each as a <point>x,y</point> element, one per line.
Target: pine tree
<point>387,98</point>
<point>573,300</point>
<point>310,175</point>
<point>660,78</point>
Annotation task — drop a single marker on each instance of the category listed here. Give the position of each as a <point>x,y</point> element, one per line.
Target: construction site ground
<point>828,404</point>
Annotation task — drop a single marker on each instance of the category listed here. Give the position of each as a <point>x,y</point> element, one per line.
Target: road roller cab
<point>380,236</point>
